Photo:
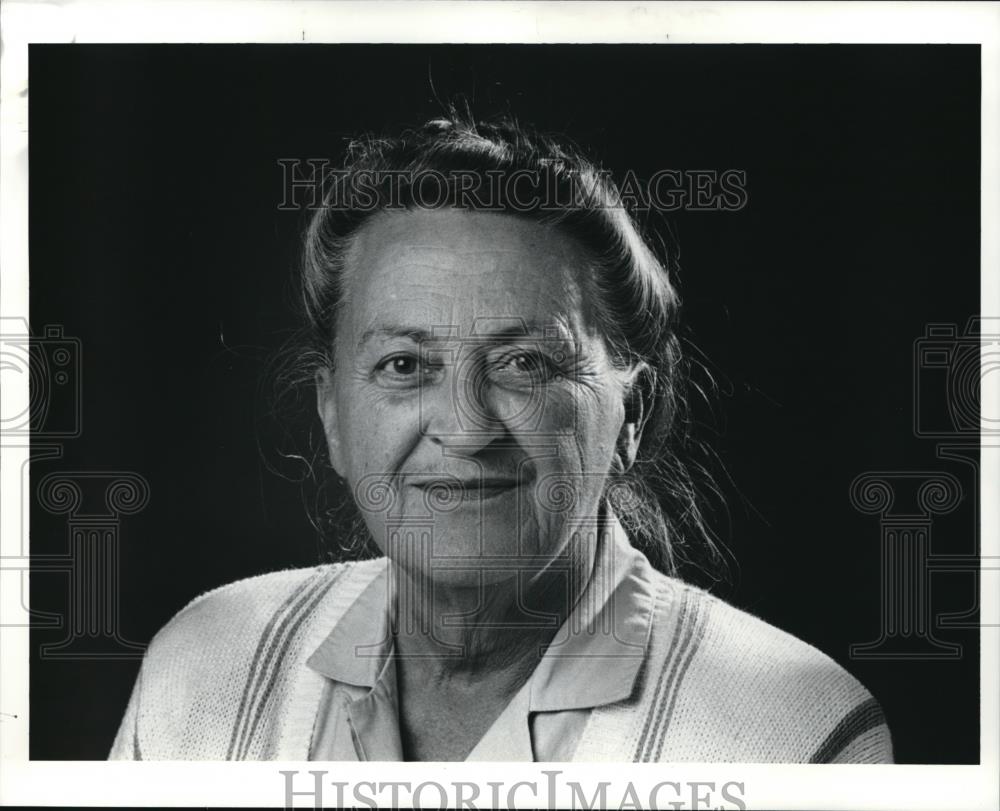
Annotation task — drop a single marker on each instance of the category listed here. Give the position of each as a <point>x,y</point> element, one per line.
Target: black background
<point>156,240</point>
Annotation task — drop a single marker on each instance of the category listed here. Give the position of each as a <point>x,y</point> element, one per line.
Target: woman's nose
<point>458,411</point>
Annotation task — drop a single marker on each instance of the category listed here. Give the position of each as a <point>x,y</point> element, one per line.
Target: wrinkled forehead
<point>455,268</point>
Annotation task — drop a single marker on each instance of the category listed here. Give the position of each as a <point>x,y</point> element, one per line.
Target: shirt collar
<point>595,656</point>
<point>355,650</point>
<point>593,659</point>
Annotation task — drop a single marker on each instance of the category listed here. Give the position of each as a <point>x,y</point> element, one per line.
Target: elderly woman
<point>497,373</point>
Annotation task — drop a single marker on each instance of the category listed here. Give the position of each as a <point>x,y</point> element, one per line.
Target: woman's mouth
<point>471,490</point>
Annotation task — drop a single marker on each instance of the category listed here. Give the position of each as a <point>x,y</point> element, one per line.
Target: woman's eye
<point>399,369</point>
<point>526,362</point>
<point>401,365</point>
<point>527,365</point>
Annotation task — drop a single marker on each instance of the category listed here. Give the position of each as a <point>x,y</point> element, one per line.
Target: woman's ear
<point>326,405</point>
<point>638,395</point>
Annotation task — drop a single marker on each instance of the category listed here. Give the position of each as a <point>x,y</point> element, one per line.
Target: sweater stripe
<point>694,640</point>
<point>661,682</point>
<point>314,598</point>
<point>857,722</point>
<point>256,672</point>
<point>665,701</point>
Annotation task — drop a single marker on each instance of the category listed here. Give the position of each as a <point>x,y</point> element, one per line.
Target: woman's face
<point>472,407</point>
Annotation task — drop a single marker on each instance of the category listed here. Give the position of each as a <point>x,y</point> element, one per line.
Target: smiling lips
<point>477,489</point>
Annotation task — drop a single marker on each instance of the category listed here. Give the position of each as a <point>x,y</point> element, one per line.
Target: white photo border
<point>27,782</point>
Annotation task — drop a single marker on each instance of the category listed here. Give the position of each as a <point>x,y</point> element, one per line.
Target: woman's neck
<point>471,633</point>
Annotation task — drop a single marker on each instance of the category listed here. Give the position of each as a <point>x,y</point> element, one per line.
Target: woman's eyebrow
<point>413,333</point>
<point>522,329</point>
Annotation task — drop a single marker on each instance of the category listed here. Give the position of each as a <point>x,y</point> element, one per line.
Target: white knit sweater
<point>226,679</point>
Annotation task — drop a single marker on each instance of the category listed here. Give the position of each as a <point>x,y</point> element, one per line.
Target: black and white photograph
<point>487,403</point>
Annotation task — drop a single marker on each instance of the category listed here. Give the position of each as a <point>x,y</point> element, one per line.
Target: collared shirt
<point>593,660</point>
<point>227,679</point>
